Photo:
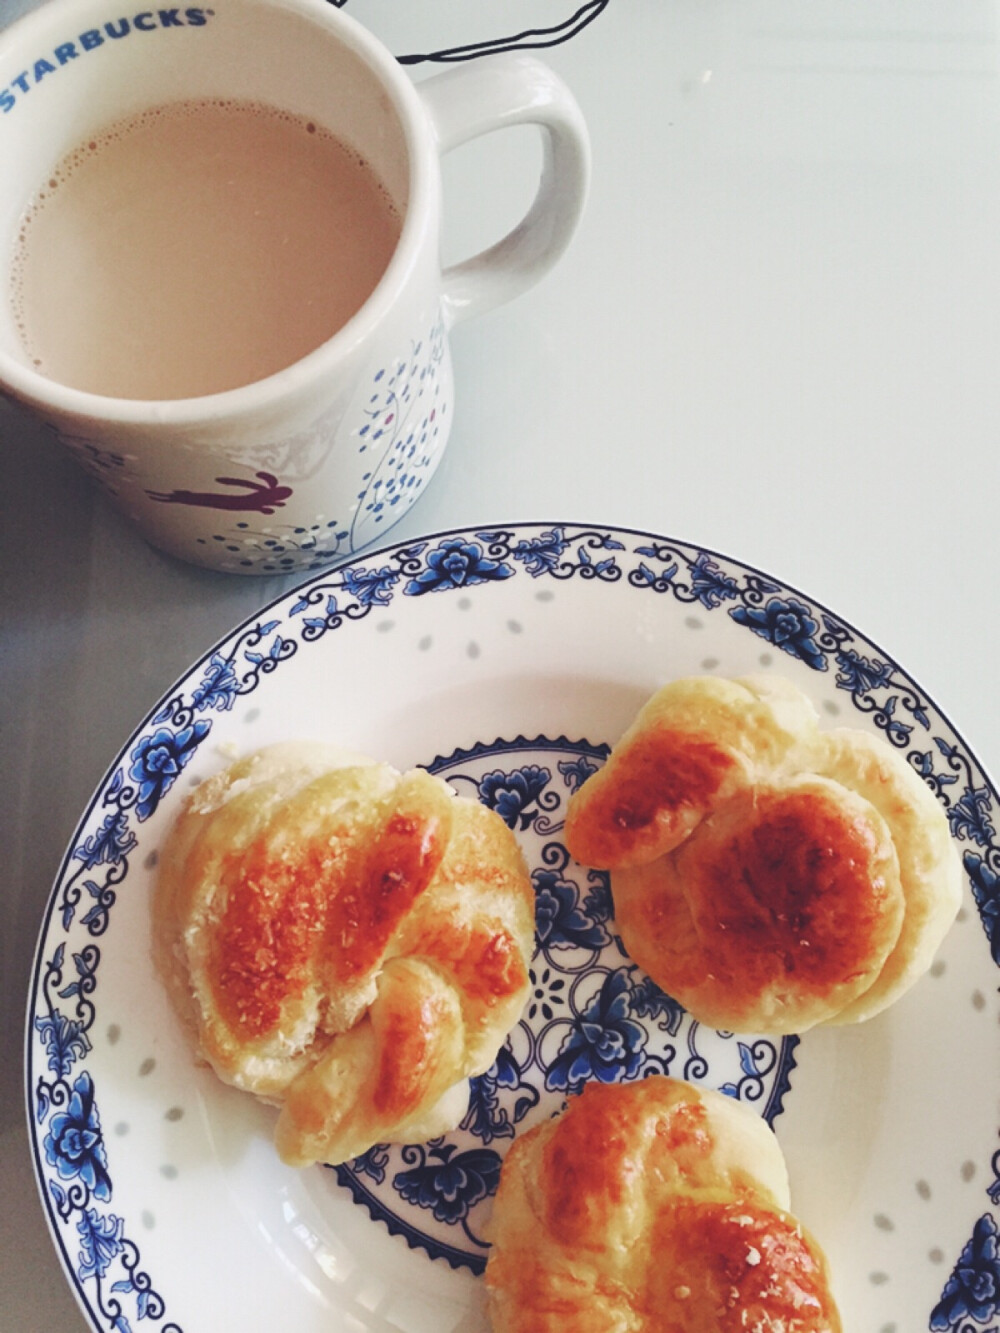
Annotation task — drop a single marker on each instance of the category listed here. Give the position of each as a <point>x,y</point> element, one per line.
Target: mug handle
<point>503,90</point>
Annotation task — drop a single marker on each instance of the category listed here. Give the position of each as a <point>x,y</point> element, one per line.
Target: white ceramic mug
<point>318,460</point>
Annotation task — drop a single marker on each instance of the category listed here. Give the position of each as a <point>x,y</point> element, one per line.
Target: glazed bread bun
<point>767,874</point>
<point>345,941</point>
<point>647,1207</point>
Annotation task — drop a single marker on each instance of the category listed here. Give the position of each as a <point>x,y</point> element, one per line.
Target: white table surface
<point>775,335</point>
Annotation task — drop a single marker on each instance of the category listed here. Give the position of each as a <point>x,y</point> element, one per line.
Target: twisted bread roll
<point>652,1206</point>
<point>345,941</point>
<point>769,875</point>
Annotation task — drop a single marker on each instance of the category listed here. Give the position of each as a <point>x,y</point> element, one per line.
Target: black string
<point>530,39</point>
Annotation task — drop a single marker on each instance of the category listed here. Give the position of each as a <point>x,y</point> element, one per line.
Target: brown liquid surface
<point>196,248</point>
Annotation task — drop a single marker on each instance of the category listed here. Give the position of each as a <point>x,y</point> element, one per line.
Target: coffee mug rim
<point>49,394</point>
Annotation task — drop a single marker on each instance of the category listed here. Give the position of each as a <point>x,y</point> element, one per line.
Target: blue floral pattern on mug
<point>393,439</point>
<point>401,434</point>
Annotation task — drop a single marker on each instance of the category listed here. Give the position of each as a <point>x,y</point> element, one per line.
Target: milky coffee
<point>195,248</point>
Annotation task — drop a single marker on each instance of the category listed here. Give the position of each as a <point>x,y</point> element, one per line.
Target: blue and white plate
<point>507,660</point>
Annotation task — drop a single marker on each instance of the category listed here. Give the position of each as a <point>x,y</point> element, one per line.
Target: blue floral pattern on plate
<point>591,1013</point>
<point>105,1261</point>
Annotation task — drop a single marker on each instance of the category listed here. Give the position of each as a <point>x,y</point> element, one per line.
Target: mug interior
<point>301,56</point>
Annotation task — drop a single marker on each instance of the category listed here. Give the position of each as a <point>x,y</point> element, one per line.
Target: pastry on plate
<point>647,1207</point>
<point>767,873</point>
<point>345,941</point>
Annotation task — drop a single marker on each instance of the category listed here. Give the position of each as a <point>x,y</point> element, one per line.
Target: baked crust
<point>652,1206</point>
<point>345,941</point>
<point>768,874</point>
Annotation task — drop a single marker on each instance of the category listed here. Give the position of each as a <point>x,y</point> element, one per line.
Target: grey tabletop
<point>775,336</point>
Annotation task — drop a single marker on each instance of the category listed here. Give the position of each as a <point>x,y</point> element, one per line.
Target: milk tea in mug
<point>197,247</point>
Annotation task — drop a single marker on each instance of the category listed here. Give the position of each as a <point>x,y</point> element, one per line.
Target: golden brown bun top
<point>767,874</point>
<point>345,940</point>
<point>779,910</point>
<point>651,1206</point>
<point>618,1150</point>
<point>694,741</point>
<point>741,1265</point>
